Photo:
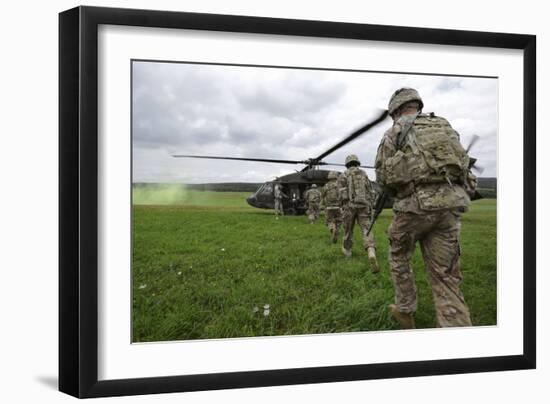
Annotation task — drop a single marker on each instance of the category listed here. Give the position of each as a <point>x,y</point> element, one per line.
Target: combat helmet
<point>351,158</point>
<point>314,186</point>
<point>332,175</point>
<point>402,96</point>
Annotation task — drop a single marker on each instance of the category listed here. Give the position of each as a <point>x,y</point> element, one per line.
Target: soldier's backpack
<point>313,195</point>
<point>359,187</point>
<point>431,153</point>
<point>331,194</point>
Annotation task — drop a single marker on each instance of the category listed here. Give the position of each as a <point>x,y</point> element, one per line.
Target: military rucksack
<point>359,187</point>
<point>331,194</point>
<point>430,153</point>
<point>313,195</point>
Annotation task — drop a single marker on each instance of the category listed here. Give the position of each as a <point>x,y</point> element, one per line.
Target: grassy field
<point>206,267</point>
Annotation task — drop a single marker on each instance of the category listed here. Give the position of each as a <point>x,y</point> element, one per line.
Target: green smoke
<point>161,194</point>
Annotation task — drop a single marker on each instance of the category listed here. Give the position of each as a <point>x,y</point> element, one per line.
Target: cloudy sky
<point>295,114</point>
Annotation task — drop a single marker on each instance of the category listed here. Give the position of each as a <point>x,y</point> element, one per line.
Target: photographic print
<point>273,201</point>
<point>250,201</point>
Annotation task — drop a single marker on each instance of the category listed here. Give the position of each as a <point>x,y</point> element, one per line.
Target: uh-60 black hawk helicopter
<point>294,185</point>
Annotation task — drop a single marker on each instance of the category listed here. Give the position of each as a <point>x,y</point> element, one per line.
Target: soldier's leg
<point>316,211</point>
<point>312,213</point>
<point>364,218</point>
<point>337,223</point>
<point>309,213</point>
<point>402,237</point>
<point>328,220</point>
<point>349,222</point>
<point>441,252</point>
<point>330,214</point>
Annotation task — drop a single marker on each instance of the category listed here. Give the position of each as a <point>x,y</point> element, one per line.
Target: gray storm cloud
<point>282,113</point>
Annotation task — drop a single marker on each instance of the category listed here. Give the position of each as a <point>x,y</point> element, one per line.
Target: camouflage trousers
<point>438,233</point>
<point>312,211</point>
<point>279,206</point>
<point>361,215</point>
<point>333,220</point>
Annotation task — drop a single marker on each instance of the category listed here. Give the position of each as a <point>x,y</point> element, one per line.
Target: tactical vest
<point>359,187</point>
<point>430,153</point>
<point>331,194</point>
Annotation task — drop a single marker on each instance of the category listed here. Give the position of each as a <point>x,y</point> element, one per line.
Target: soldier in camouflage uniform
<point>422,164</point>
<point>357,197</point>
<point>313,200</point>
<point>331,200</point>
<point>278,194</point>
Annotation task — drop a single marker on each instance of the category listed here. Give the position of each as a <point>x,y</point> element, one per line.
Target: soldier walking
<point>279,195</point>
<point>331,200</point>
<point>357,198</point>
<point>313,200</point>
<point>422,164</point>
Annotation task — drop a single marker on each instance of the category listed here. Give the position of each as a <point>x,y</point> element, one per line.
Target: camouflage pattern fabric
<point>361,215</point>
<point>427,208</point>
<point>279,195</point>
<point>354,211</point>
<point>313,199</point>
<point>438,234</point>
<point>279,206</point>
<point>333,220</point>
<point>330,194</point>
<point>428,164</point>
<point>333,213</point>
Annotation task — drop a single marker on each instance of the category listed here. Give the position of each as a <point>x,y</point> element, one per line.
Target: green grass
<point>201,268</point>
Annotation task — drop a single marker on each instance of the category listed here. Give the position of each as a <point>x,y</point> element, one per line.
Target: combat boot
<point>373,263</point>
<point>347,253</point>
<point>406,320</point>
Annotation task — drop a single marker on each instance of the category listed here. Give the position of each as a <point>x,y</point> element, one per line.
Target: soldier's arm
<point>368,185</point>
<point>386,149</point>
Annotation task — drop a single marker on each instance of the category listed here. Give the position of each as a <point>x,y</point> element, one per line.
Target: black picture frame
<point>78,200</point>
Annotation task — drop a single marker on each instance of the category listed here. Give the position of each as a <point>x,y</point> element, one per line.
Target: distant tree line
<point>487,186</point>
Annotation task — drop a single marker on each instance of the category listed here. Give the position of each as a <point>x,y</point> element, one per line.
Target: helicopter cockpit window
<point>260,189</point>
<point>267,189</point>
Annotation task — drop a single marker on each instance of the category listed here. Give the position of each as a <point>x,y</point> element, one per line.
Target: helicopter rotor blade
<point>239,158</point>
<point>473,141</point>
<point>473,161</point>
<point>353,135</point>
<point>479,169</point>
